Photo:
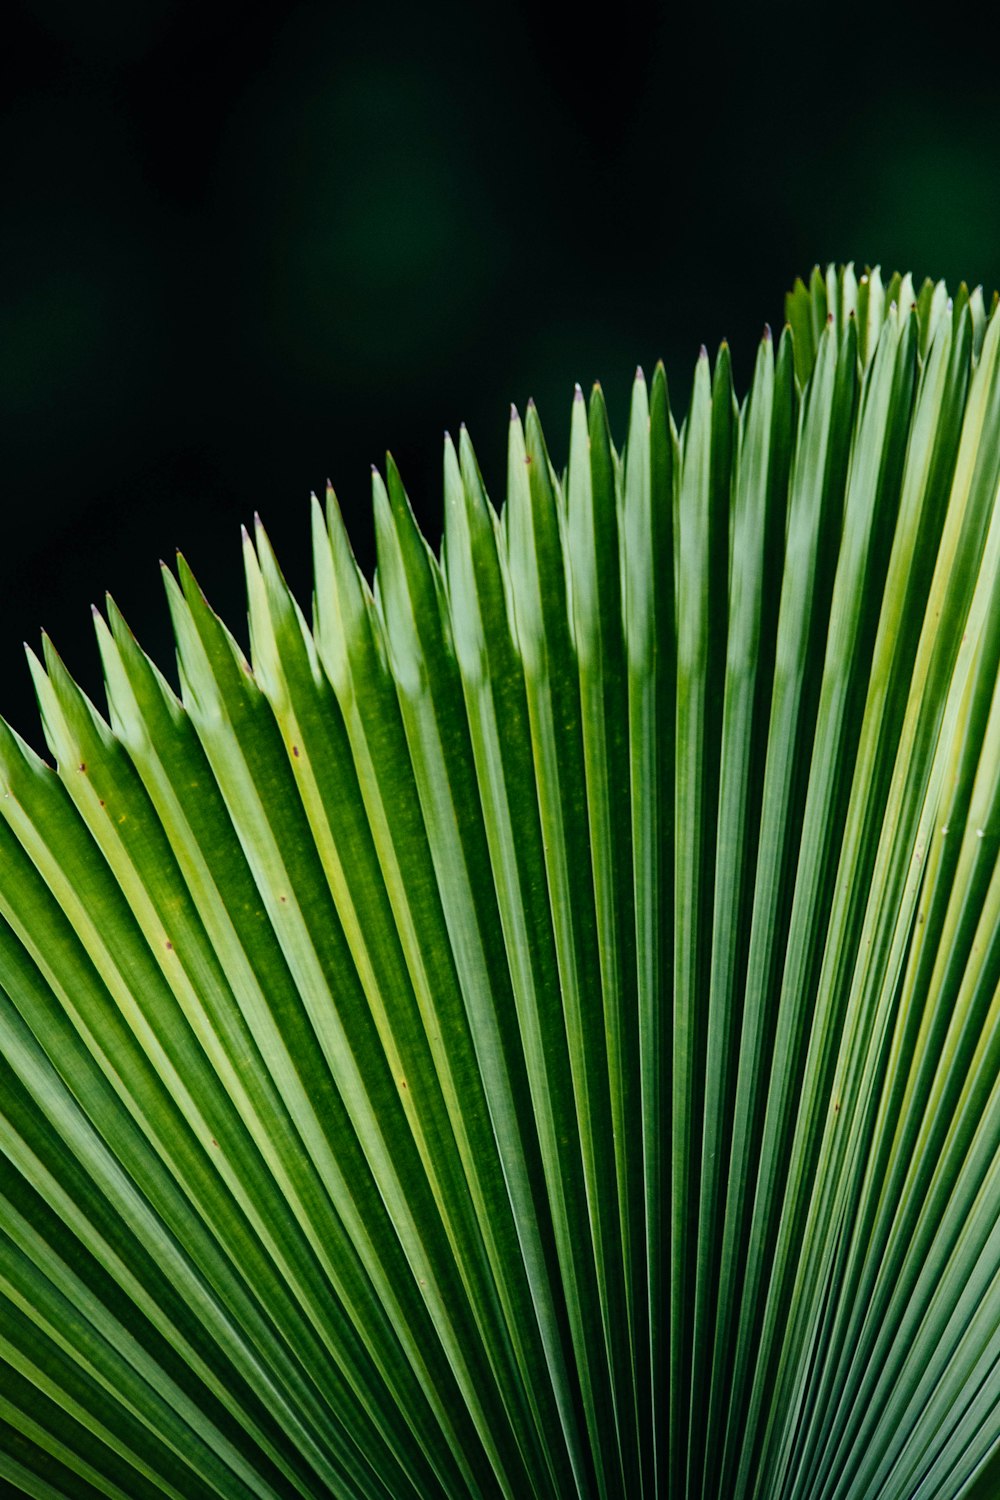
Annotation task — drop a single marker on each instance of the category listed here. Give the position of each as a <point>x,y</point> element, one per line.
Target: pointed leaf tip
<point>513,412</point>
<point>639,375</point>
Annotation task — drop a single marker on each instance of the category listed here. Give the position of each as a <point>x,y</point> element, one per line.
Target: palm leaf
<point>534,1030</point>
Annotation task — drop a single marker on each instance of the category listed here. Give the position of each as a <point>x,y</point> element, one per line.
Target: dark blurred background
<point>245,247</point>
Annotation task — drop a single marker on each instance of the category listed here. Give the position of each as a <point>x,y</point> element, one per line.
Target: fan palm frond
<point>534,1029</point>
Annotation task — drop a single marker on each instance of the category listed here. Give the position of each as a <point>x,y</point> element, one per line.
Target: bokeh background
<point>247,247</point>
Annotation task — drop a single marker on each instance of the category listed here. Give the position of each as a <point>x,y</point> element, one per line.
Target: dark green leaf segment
<point>533,1030</point>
